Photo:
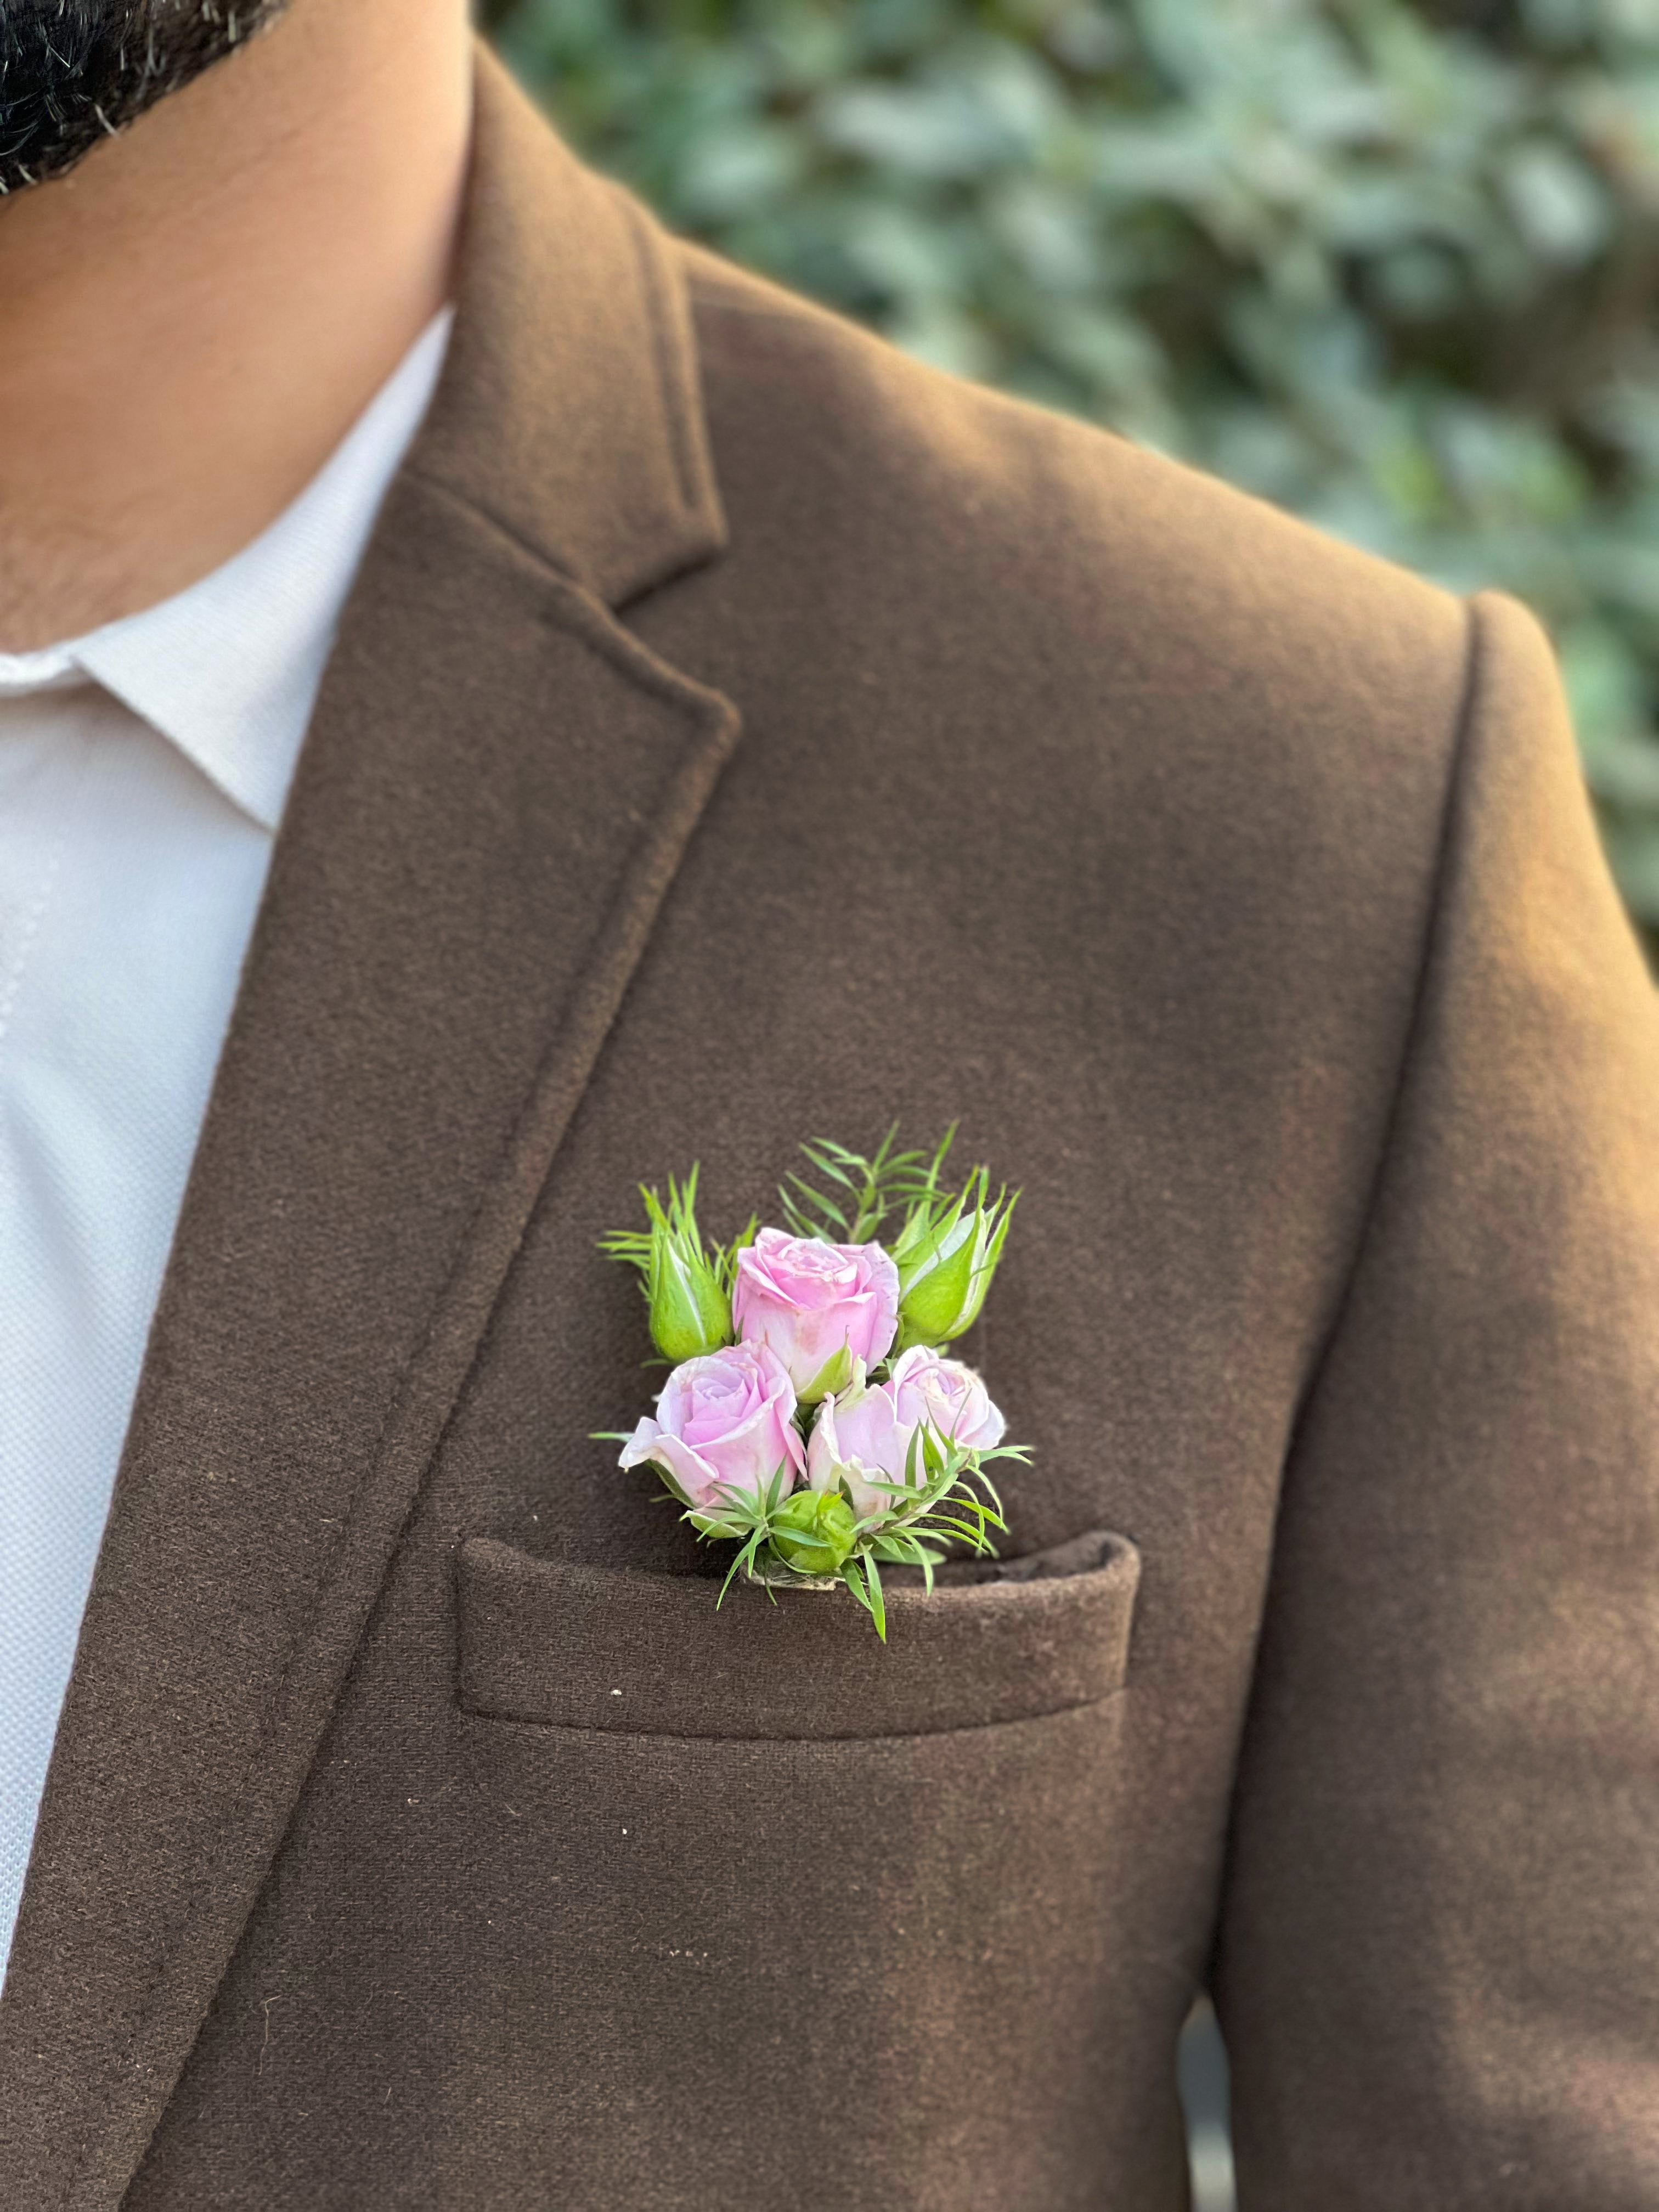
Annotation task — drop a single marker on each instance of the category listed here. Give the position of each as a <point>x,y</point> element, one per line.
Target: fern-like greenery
<point>866,1191</point>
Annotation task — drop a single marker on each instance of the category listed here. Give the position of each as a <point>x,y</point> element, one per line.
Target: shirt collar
<point>228,669</point>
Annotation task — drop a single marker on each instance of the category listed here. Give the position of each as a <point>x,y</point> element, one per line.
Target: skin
<point>193,318</point>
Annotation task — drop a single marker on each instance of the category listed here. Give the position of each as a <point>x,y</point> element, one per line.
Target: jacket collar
<point>462,886</point>
<point>570,412</point>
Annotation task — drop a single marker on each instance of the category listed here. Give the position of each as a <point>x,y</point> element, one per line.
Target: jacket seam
<point>1476,653</point>
<point>664,352</point>
<point>559,572</point>
<point>1474,670</point>
<point>499,1719</point>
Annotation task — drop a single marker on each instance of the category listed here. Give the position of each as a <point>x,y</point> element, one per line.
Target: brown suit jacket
<point>418,1834</point>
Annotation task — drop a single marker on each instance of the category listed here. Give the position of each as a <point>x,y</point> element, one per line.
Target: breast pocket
<point>581,1647</point>
<point>759,1862</point>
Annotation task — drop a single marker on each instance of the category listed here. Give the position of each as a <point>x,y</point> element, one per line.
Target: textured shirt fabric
<point>143,771</point>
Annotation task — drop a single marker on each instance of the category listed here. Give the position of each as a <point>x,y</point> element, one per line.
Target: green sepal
<point>836,1374</point>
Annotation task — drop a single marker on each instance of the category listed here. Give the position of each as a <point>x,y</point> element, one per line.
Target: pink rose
<point>724,1422</point>
<point>949,1396</point>
<point>857,1438</point>
<point>863,1435</point>
<point>819,1306</point>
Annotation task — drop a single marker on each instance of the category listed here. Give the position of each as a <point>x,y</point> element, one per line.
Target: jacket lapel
<point>497,787</point>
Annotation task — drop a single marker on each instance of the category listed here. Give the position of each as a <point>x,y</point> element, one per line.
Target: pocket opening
<point>561,1643</point>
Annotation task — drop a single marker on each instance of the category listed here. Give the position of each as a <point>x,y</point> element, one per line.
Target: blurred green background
<point>1393,267</point>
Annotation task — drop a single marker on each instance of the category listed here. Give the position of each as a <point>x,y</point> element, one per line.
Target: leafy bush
<point>1393,267</point>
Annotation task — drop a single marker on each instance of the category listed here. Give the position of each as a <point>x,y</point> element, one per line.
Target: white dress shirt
<point>143,771</point>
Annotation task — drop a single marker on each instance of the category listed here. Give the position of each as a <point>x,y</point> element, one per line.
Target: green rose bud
<point>946,1266</point>
<point>687,1289</point>
<point>813,1531</point>
<point>691,1313</point>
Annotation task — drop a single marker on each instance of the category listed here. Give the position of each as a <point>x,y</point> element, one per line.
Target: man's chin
<point>75,72</point>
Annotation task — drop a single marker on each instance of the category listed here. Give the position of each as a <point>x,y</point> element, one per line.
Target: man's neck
<point>192,320</point>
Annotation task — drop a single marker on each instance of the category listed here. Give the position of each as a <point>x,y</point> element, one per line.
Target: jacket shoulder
<point>812,416</point>
<point>1150,641</point>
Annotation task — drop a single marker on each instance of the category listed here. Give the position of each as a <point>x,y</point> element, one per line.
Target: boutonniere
<point>812,1417</point>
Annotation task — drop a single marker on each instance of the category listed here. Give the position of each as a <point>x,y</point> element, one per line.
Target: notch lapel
<point>491,804</point>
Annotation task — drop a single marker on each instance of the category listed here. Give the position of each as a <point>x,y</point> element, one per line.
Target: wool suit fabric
<point>739,733</point>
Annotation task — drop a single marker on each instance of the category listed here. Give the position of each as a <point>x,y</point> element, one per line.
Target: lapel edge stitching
<point>483,1256</point>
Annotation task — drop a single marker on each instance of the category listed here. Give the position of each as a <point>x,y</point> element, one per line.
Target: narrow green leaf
<point>878,1604</point>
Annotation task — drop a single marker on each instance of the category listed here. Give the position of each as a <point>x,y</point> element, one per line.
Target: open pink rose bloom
<point>812,1301</point>
<point>725,1422</point>
<point>949,1396</point>
<point>863,1437</point>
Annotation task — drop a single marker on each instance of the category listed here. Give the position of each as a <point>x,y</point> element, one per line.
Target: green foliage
<point>688,1290</point>
<point>1392,266</point>
<point>784,1538</point>
<point>866,1189</point>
